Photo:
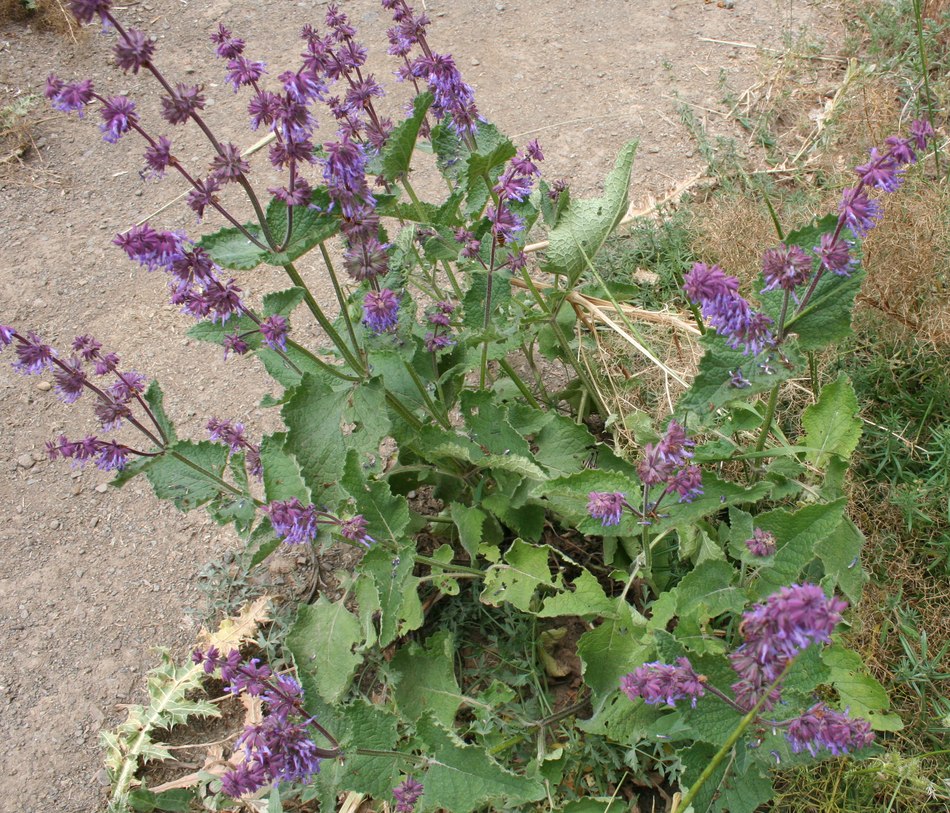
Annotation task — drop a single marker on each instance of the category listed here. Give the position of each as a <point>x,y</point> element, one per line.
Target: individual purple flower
<point>71,381</point>
<point>203,195</point>
<point>184,102</point>
<point>785,267</point>
<point>111,413</point>
<point>901,149</point>
<point>687,482</point>
<point>303,85</point>
<point>234,343</point>
<point>607,506</point>
<point>85,10</point>
<point>106,363</point>
<point>150,248</point>
<point>860,212</point>
<point>118,116</point>
<point>407,793</point>
<point>263,108</point>
<point>158,156</point>
<point>882,171</point>
<point>675,445</point>
<point>112,456</point>
<point>823,727</point>
<point>738,380</point>
<point>228,47</point>
<point>229,165</point>
<point>366,259</point>
<point>506,225</point>
<point>761,543</point>
<point>33,357</point>
<point>226,432</point>
<point>72,96</point>
<point>834,254</point>
<point>381,310</point>
<point>274,329</point>
<point>253,461</point>
<point>708,282</point>
<point>664,683</point>
<point>354,529</point>
<point>293,521</point>
<point>133,50</point>
<point>6,335</point>
<point>654,467</point>
<point>243,71</point>
<point>920,131</point>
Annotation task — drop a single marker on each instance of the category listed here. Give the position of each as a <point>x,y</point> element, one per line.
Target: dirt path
<point>93,578</point>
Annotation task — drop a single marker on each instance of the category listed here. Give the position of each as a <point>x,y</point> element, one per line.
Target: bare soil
<point>95,577</point>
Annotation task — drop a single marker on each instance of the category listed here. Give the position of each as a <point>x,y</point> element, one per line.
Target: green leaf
<point>282,478</point>
<point>563,446</point>
<point>618,646</point>
<point>568,497</point>
<point>397,591</point>
<point>323,641</point>
<point>840,553</point>
<point>712,388</point>
<point>231,249</point>
<point>463,778</point>
<point>797,538</point>
<point>587,600</point>
<point>387,516</point>
<point>186,485</point>
<point>283,302</point>
<point>368,412</point>
<point>312,225</point>
<point>469,521</point>
<point>397,153</point>
<point>831,424</point>
<point>706,592</point>
<point>425,680</point>
<point>827,316</point>
<point>525,520</point>
<point>585,224</point>
<point>524,570</point>
<point>859,692</point>
<point>175,801</point>
<point>156,400</point>
<point>312,415</point>
<point>492,151</point>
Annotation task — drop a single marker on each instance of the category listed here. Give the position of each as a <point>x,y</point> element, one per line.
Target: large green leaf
<point>707,591</point>
<point>584,226</point>
<point>425,680</point>
<point>311,225</point>
<point>515,580</point>
<point>386,515</point>
<point>282,478</point>
<point>397,153</point>
<point>468,521</point>
<point>840,553</point>
<point>463,778</point>
<point>323,641</point>
<point>312,415</point>
<point>587,600</point>
<point>858,690</point>
<point>179,474</point>
<point>396,592</point>
<point>831,424</point>
<point>231,249</point>
<point>827,316</point>
<point>563,446</point>
<point>618,646</point>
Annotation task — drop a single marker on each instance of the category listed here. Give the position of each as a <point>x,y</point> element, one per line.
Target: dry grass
<point>47,15</point>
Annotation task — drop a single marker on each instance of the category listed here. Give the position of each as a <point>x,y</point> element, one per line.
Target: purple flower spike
<point>860,212</point>
<point>73,96</point>
<point>901,149</point>
<point>158,156</point>
<point>823,727</point>
<point>663,683</point>
<point>33,357</point>
<point>687,482</point>
<point>355,530</point>
<point>655,467</point>
<point>226,432</point>
<point>920,132</point>
<point>233,343</point>
<point>274,329</point>
<point>785,267</point>
<point>229,165</point>
<point>134,50</point>
<point>761,543</point>
<point>112,456</point>
<point>293,521</point>
<point>407,794</point>
<point>85,10</point>
<point>70,382</point>
<point>835,255</point>
<point>118,116</point>
<point>381,310</point>
<point>228,47</point>
<point>184,101</point>
<point>203,195</point>
<point>243,71</point>
<point>705,282</point>
<point>606,506</point>
<point>882,171</point>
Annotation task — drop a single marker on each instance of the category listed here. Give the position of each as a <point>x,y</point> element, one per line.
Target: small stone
<point>476,63</point>
<point>653,150</point>
<point>25,461</point>
<point>102,488</point>
<point>44,386</point>
<point>55,525</point>
<point>102,777</point>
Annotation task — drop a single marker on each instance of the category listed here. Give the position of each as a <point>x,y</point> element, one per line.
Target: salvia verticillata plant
<point>440,346</point>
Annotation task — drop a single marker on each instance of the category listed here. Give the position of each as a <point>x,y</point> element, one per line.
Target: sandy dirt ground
<point>94,577</point>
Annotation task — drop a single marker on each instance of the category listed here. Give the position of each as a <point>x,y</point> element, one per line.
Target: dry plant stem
<point>721,754</point>
<point>564,713</point>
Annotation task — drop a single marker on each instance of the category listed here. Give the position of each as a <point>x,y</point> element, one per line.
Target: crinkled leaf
<point>525,568</point>
<point>425,680</point>
<point>613,649</point>
<point>586,600</point>
<point>231,249</point>
<point>156,400</point>
<point>859,692</point>
<point>184,484</point>
<point>282,478</point>
<point>397,592</point>
<point>323,641</point>
<point>831,424</point>
<point>397,153</point>
<point>312,225</point>
<point>468,521</point>
<point>283,302</point>
<point>584,225</point>
<point>840,553</point>
<point>563,446</point>
<point>387,516</point>
<point>463,778</point>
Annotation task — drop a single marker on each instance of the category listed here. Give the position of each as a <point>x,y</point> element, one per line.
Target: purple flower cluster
<point>663,683</point>
<point>775,632</point>
<point>607,506</point>
<point>71,379</point>
<point>731,315</point>
<point>785,267</point>
<point>761,543</point>
<point>298,524</point>
<point>514,184</point>
<point>668,462</point>
<point>280,747</point>
<point>232,436</point>
<point>381,310</point>
<point>439,337</point>
<point>407,793</point>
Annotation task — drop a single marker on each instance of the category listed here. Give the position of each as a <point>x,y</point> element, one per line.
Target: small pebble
<point>25,461</point>
<point>102,488</point>
<point>44,386</point>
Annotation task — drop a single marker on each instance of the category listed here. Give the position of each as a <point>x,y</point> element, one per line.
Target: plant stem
<point>223,484</point>
<point>338,290</point>
<point>328,368</point>
<point>428,560</point>
<point>518,382</point>
<point>442,420</point>
<point>767,422</point>
<point>925,71</point>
